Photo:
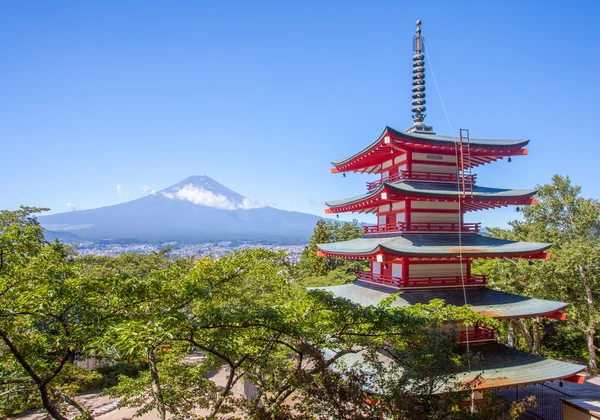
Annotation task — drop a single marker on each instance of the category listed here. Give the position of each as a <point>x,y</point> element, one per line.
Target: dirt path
<point>96,402</point>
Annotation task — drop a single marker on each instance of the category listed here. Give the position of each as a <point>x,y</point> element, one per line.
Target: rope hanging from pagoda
<point>418,89</point>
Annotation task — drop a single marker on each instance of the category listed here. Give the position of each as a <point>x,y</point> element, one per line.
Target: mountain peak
<point>197,179</point>
<point>202,185</point>
<point>196,209</point>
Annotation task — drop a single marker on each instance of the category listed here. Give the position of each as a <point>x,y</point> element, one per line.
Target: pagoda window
<point>387,163</point>
<point>399,159</point>
<point>397,270</point>
<point>382,220</point>
<point>376,268</point>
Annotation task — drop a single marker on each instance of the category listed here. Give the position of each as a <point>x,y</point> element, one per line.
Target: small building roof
<point>587,406</point>
<point>488,302</point>
<point>420,190</point>
<point>483,151</point>
<point>433,245</point>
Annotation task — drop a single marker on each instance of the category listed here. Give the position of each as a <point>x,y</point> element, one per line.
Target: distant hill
<point>197,209</point>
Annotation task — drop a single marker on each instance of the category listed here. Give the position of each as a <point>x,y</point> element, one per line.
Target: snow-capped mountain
<point>197,209</point>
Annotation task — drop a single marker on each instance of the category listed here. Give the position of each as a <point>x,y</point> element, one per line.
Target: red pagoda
<point>420,244</point>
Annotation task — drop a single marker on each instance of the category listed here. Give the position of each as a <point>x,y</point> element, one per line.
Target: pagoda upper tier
<point>413,146</point>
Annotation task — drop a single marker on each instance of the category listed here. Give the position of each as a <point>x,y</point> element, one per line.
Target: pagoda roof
<point>502,366</point>
<point>433,245</point>
<point>493,365</point>
<point>435,191</point>
<point>484,301</point>
<point>482,151</point>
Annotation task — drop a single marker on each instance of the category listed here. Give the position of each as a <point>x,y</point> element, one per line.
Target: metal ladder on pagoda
<point>464,163</point>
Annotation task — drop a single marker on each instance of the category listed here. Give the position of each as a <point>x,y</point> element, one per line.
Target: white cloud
<point>147,190</point>
<point>71,207</point>
<point>202,197</point>
<point>121,190</point>
<point>251,203</point>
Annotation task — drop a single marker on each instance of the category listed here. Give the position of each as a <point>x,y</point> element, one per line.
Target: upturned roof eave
<point>435,140</point>
<point>413,192</point>
<point>487,302</point>
<point>468,252</point>
<point>406,247</point>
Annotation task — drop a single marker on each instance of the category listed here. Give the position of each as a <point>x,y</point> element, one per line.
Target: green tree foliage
<point>245,317</point>
<point>183,320</point>
<point>47,310</point>
<point>572,224</point>
<point>314,270</point>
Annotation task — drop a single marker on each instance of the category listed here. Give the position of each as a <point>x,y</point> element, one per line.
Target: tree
<point>48,312</point>
<point>312,263</point>
<point>145,296</point>
<point>315,270</point>
<point>572,224</point>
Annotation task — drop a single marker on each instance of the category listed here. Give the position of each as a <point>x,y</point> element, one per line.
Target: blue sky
<point>262,95</point>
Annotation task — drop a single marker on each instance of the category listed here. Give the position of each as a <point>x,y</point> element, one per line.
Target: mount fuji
<point>197,209</point>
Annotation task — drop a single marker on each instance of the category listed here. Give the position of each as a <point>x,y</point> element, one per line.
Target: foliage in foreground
<point>182,320</point>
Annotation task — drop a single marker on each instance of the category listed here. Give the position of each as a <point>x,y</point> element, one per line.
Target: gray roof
<point>494,365</point>
<point>485,301</point>
<point>435,139</point>
<point>434,245</point>
<point>412,188</point>
<point>501,366</point>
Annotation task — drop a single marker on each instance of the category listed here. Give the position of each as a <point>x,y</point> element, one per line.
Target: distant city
<point>216,249</point>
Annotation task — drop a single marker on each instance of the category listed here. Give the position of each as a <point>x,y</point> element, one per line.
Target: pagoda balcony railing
<point>422,176</point>
<point>421,227</point>
<point>478,333</point>
<point>420,282</point>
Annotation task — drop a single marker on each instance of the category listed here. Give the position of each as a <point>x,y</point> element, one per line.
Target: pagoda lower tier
<point>485,301</point>
<point>493,366</point>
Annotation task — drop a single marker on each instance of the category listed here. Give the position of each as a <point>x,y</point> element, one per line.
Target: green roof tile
<point>434,245</point>
<point>412,188</point>
<point>493,366</point>
<point>485,301</point>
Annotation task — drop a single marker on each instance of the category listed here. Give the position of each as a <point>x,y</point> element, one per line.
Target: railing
<point>477,334</point>
<point>421,227</point>
<point>420,282</point>
<point>422,176</point>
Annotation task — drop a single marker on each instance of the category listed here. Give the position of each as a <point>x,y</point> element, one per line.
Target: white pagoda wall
<point>435,270</point>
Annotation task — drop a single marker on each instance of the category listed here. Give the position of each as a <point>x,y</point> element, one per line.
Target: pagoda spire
<point>418,89</point>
